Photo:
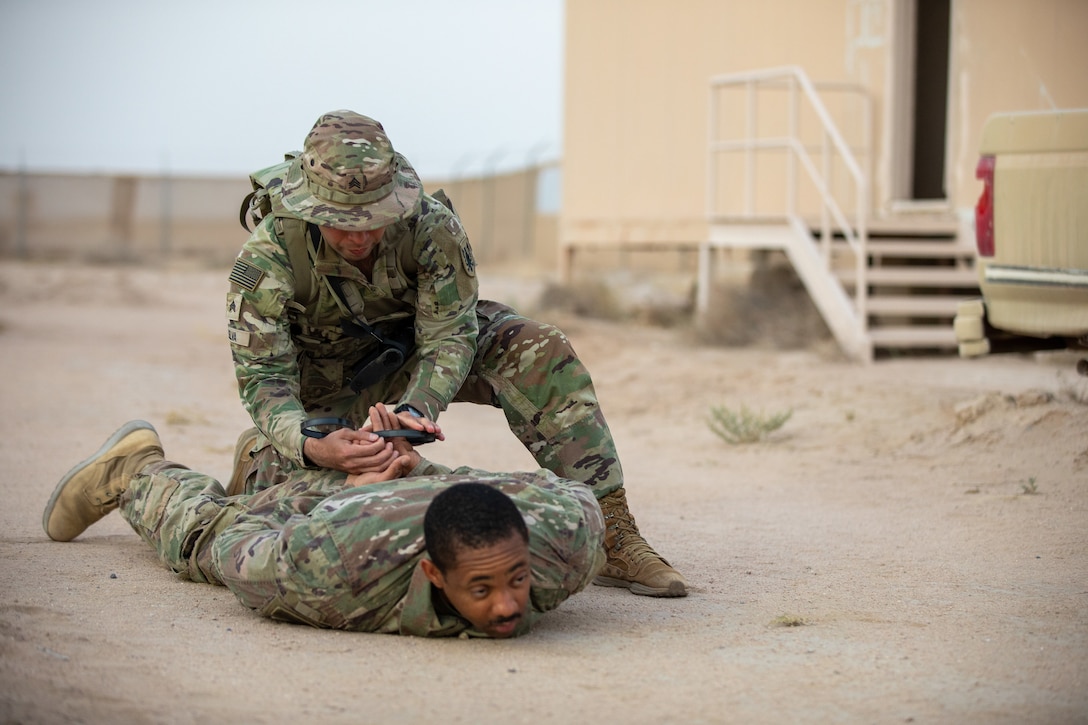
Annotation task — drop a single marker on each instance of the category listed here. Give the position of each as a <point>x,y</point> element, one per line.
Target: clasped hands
<point>365,456</point>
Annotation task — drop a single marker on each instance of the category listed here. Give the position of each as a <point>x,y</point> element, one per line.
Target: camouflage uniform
<point>298,335</point>
<point>294,361</point>
<point>350,560</point>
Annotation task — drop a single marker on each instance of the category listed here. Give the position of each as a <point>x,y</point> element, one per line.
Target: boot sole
<point>131,426</point>
<point>676,589</point>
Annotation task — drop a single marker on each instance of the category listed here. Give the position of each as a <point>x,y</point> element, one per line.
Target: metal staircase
<point>888,285</point>
<point>917,275</point>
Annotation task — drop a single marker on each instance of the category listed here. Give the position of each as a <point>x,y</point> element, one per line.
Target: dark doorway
<point>930,98</point>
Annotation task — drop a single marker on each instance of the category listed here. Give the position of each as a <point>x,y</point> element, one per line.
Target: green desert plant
<point>1030,487</point>
<point>745,426</point>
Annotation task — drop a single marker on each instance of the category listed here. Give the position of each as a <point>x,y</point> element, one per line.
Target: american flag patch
<point>245,275</point>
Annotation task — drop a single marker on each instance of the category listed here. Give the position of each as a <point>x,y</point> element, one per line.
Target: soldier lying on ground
<point>358,288</point>
<point>439,553</point>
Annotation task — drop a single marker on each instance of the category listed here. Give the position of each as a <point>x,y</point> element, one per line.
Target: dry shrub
<point>586,299</point>
<point>774,310</point>
<point>622,297</point>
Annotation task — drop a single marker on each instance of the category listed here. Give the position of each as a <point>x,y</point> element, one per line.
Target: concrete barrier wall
<point>147,218</point>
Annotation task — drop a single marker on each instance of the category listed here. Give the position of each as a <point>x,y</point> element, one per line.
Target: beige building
<point>726,124</point>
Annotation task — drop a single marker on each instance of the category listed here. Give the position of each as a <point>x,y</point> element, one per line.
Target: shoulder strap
<point>297,237</point>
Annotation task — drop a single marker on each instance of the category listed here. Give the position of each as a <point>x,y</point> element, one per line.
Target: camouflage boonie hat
<point>349,177</point>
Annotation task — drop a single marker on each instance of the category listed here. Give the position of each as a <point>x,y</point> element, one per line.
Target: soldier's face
<point>352,246</point>
<point>488,586</point>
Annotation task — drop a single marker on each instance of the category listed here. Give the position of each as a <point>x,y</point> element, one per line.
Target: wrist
<point>405,408</point>
<point>307,461</point>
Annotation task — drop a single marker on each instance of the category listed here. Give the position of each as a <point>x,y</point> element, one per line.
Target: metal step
<point>915,225</point>
<point>920,276</point>
<point>914,306</point>
<point>914,249</point>
<point>919,336</point>
<point>909,249</point>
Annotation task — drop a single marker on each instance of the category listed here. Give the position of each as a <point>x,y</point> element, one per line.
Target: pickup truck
<point>1031,231</point>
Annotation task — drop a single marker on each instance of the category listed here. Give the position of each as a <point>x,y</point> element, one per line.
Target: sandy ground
<point>892,518</point>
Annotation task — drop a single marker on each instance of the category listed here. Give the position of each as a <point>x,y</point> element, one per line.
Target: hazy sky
<point>226,86</point>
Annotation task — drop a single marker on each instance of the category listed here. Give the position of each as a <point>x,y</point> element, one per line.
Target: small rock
<point>1031,398</point>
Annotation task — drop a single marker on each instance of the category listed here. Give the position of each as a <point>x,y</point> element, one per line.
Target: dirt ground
<point>922,524</point>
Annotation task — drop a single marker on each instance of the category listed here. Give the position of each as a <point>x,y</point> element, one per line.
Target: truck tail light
<point>984,209</point>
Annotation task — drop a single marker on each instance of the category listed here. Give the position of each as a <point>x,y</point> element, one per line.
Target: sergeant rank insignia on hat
<point>245,275</point>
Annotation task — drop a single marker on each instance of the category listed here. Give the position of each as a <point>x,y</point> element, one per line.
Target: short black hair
<point>469,515</point>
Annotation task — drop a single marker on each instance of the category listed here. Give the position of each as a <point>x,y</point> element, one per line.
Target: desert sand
<point>911,546</point>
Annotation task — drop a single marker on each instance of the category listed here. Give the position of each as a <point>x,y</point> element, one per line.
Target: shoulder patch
<point>467,258</point>
<point>246,275</point>
<point>453,226</point>
<point>234,306</point>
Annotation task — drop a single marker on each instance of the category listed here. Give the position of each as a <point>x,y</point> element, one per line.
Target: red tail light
<point>984,209</point>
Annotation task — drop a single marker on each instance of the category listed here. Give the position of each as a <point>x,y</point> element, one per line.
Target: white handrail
<point>793,80</point>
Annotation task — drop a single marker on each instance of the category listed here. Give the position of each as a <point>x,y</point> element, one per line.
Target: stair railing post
<point>712,154</point>
<point>825,217</point>
<point>862,232</point>
<point>749,151</point>
<point>791,156</point>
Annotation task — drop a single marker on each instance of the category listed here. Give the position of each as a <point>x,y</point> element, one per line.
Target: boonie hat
<point>349,177</point>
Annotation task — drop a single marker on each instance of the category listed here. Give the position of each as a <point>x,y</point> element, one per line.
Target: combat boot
<point>632,563</point>
<point>91,489</point>
<point>243,455</point>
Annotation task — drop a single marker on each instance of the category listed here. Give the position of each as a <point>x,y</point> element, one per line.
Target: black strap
<point>415,437</point>
<point>310,426</point>
<point>245,209</point>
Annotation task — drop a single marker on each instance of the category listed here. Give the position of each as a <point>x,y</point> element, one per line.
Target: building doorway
<point>920,125</point>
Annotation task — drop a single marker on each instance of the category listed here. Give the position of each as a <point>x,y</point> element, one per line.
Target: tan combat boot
<point>243,454</point>
<point>632,563</point>
<point>91,489</point>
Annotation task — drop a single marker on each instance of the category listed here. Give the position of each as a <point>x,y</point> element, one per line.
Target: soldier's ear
<point>431,571</point>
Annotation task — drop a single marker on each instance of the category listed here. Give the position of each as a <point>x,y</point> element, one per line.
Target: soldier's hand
<point>400,467</point>
<point>407,420</point>
<point>382,418</point>
<point>350,451</point>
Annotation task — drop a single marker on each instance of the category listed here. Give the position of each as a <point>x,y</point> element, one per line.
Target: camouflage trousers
<point>205,536</point>
<point>528,369</point>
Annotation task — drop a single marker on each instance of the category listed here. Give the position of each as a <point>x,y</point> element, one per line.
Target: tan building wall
<point>1010,55</point>
<point>637,95</point>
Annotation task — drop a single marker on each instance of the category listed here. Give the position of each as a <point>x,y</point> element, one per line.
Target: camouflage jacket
<point>291,356</point>
<point>351,561</point>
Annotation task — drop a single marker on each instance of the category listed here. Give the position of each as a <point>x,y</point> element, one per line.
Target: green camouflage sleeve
<point>428,468</point>
<point>446,326</point>
<point>265,357</point>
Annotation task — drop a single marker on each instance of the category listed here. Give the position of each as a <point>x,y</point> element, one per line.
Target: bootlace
<point>628,539</point>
